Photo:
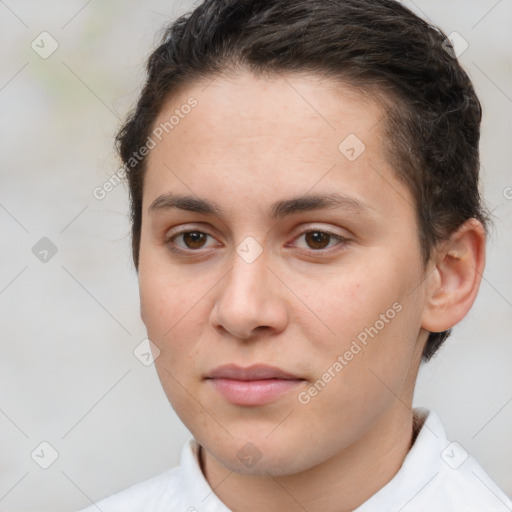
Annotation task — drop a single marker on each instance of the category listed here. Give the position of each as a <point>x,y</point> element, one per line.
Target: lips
<point>253,386</point>
<point>252,373</point>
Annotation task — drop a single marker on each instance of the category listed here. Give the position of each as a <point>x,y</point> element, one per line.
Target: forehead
<point>267,136</point>
<point>280,107</point>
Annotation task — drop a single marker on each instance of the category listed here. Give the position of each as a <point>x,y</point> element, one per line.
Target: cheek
<point>373,321</point>
<point>171,311</point>
<point>349,302</point>
<point>167,304</point>
<point>166,290</point>
<point>176,307</point>
<point>356,381</point>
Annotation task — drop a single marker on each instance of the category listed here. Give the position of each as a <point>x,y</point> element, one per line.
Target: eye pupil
<point>194,239</point>
<point>317,239</point>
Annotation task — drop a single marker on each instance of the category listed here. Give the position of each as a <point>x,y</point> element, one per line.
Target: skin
<point>248,143</point>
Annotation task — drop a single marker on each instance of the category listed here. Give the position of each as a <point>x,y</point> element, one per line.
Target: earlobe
<point>455,279</point>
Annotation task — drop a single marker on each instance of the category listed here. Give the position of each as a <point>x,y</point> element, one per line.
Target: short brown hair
<point>433,124</point>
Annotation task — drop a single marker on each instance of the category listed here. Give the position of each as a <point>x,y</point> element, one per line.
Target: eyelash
<point>342,241</point>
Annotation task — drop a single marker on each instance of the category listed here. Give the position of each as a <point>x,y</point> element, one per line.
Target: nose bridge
<point>248,277</point>
<point>249,272</point>
<point>247,298</point>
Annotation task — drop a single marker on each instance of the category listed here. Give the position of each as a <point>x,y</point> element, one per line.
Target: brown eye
<point>188,242</point>
<point>319,242</point>
<point>317,239</point>
<point>194,239</point>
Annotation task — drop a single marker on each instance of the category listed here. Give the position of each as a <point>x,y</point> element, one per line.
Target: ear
<point>454,277</point>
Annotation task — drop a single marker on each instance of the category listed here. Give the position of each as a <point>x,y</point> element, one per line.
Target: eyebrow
<point>278,210</point>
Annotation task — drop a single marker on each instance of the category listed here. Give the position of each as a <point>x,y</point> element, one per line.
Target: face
<point>285,292</point>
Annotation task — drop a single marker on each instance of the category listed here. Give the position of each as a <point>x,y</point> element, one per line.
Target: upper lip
<point>254,372</point>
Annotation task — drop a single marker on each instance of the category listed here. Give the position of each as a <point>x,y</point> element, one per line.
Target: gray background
<point>68,375</point>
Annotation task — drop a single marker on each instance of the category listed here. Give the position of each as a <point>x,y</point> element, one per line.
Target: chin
<point>269,465</point>
<point>257,454</point>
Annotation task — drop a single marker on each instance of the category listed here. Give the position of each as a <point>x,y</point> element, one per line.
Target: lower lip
<point>253,392</point>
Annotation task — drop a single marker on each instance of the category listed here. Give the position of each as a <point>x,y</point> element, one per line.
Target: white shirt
<point>436,476</point>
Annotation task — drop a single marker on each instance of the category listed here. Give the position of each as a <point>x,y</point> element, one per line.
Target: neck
<point>341,483</point>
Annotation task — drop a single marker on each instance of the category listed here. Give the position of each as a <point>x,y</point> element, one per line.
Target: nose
<point>250,300</point>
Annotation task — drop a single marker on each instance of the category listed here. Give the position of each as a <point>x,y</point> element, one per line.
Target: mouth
<point>252,386</point>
